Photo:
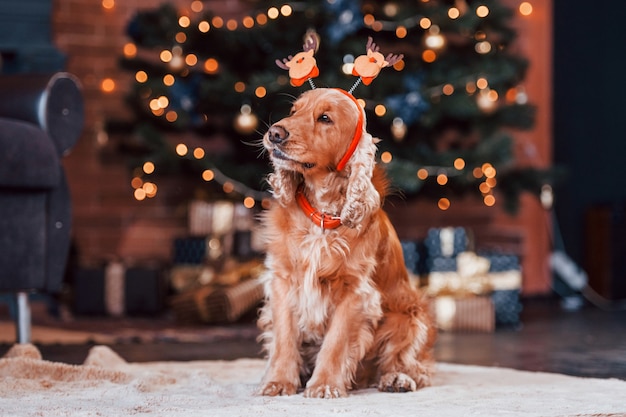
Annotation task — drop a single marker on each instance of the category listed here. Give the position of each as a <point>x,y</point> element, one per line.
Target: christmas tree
<point>445,112</point>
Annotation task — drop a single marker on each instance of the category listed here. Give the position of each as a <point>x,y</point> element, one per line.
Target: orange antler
<point>302,66</point>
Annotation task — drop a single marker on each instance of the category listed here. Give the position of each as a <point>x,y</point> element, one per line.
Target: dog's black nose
<point>277,134</point>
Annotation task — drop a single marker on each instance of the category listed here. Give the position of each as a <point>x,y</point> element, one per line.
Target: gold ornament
<point>246,122</point>
<point>398,129</point>
<point>487,100</point>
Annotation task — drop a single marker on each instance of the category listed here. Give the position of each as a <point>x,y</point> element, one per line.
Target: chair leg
<point>23,318</point>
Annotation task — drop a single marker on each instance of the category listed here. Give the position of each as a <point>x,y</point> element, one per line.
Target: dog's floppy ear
<point>284,184</point>
<point>362,199</point>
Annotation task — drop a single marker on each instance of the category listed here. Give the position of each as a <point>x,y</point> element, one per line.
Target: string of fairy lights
<point>434,41</point>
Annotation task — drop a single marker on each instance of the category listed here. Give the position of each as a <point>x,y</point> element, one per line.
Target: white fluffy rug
<point>106,385</point>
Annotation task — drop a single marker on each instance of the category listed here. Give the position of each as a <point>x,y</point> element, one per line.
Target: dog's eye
<point>324,118</point>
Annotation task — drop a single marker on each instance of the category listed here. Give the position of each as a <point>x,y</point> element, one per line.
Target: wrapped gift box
<point>116,290</point>
<point>442,246</point>
<point>506,278</point>
<point>495,276</point>
<point>190,250</point>
<point>411,256</point>
<point>446,242</point>
<point>217,304</point>
<point>507,307</point>
<point>465,314</point>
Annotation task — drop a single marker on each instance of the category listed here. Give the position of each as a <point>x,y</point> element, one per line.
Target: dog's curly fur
<point>340,310</point>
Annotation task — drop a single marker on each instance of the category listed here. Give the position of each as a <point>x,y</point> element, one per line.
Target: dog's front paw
<point>273,388</point>
<point>325,391</point>
<point>396,382</point>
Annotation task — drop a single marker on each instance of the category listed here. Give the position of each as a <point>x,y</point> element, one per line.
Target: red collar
<point>357,133</point>
<point>320,219</point>
<point>324,220</point>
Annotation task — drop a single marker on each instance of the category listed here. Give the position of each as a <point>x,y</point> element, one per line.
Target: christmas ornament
<point>246,122</point>
<point>434,39</point>
<point>409,106</point>
<point>177,62</point>
<point>487,100</point>
<point>398,129</point>
<point>348,19</point>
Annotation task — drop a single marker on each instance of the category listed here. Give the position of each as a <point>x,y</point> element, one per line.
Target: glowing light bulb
<point>217,21</point>
<point>443,204</point>
<point>286,10</point>
<point>107,85</point>
<point>401,32</point>
<point>165,55</point>
<point>429,56</point>
<point>248,22</point>
<point>139,194</point>
<point>425,23</point>
<point>181,149</point>
<point>273,13</point>
<point>148,167</point>
<point>130,50</point>
<point>260,92</point>
<point>141,76</point>
<point>525,8</point>
<point>248,202</point>
<point>171,116</point>
<point>482,11</point>
<point>211,65</point>
<point>197,6</point>
<point>204,26</point>
<point>208,175</point>
<point>184,21</point>
<point>198,153</point>
<point>231,24</point>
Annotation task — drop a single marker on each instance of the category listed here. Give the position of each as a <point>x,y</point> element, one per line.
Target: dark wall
<point>26,37</point>
<point>589,112</point>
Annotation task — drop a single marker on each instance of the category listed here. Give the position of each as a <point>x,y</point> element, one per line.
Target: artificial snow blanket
<point>106,385</point>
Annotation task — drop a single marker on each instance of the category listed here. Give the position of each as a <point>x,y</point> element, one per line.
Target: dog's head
<point>309,144</point>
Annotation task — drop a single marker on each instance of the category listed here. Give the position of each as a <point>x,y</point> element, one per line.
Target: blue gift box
<point>441,264</point>
<point>507,306</point>
<point>506,301</point>
<point>190,250</point>
<point>411,255</point>
<point>445,242</point>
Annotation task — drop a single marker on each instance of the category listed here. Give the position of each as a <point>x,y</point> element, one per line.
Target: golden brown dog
<point>340,309</point>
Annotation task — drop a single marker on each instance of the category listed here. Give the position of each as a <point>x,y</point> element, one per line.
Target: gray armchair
<point>41,117</point>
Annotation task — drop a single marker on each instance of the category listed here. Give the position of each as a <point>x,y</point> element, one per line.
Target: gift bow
<point>470,278</point>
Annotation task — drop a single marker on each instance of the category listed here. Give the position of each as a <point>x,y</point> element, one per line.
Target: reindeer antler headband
<point>303,67</point>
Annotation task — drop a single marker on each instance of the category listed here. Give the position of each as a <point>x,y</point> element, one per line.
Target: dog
<point>340,311</point>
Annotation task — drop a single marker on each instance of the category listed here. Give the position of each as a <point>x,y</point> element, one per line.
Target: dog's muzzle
<point>277,134</point>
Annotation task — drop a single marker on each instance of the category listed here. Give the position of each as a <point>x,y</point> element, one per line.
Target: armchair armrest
<point>52,102</point>
<point>29,158</point>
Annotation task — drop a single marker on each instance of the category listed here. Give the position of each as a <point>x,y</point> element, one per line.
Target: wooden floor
<point>588,342</point>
